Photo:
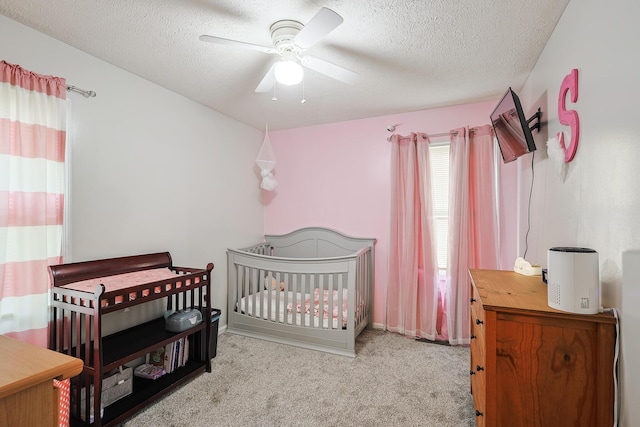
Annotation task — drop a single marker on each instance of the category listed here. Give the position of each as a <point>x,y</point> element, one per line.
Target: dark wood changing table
<point>76,329</point>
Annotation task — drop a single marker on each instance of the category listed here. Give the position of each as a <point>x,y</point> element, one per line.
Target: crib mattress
<point>294,308</point>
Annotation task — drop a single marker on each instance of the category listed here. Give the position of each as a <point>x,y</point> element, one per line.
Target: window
<point>439,160</point>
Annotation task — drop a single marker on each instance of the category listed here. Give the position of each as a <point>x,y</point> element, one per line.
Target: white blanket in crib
<point>296,308</point>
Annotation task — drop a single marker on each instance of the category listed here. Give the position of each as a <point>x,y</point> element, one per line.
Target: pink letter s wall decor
<point>569,117</point>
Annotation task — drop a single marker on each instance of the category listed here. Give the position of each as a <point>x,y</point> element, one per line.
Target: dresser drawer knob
<point>479,368</point>
<point>479,322</point>
<point>472,373</point>
<point>473,337</point>
<point>478,413</point>
<point>472,299</point>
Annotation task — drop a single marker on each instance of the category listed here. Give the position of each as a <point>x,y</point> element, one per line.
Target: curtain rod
<point>454,133</point>
<point>85,93</point>
<point>435,135</point>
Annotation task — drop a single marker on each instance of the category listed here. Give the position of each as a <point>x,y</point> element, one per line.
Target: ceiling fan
<point>290,40</point>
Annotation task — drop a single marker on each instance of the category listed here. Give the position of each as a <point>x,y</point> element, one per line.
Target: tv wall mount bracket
<point>537,115</point>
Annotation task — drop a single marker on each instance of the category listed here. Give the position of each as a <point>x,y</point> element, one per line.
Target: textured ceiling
<point>410,54</point>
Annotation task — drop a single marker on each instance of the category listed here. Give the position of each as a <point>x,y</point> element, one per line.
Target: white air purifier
<point>573,280</point>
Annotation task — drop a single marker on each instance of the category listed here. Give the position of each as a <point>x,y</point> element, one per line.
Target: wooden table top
<point>503,290</point>
<point>23,365</point>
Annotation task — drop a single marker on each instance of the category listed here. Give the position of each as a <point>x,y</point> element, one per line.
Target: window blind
<point>439,162</point>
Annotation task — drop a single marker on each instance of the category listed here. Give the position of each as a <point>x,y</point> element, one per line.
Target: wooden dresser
<point>532,365</point>
<point>27,395</point>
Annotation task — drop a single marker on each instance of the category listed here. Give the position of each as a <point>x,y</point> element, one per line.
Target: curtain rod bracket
<point>85,93</point>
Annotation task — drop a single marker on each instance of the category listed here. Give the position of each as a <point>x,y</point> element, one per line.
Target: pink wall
<point>337,176</point>
<point>508,211</point>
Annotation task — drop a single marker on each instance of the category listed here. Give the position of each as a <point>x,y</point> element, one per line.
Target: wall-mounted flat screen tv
<point>512,128</point>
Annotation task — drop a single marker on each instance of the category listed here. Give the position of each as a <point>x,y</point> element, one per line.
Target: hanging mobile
<point>266,160</point>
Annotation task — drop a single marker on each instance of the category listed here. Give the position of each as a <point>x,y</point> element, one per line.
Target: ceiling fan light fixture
<point>288,72</point>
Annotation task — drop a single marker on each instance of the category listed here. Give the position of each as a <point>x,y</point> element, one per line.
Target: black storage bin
<point>213,340</point>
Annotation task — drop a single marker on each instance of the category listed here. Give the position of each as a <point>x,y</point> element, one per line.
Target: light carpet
<point>393,381</point>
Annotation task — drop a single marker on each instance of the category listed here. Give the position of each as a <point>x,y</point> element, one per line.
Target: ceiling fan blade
<point>322,23</point>
<point>327,68</point>
<point>220,40</point>
<point>268,81</point>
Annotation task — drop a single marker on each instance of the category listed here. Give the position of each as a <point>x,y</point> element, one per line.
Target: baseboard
<point>222,329</point>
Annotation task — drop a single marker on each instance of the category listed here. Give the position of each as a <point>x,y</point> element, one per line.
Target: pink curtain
<point>412,289</point>
<point>473,227</point>
<point>32,147</point>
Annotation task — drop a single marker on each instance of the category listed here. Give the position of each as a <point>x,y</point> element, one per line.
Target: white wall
<point>151,170</point>
<point>598,205</point>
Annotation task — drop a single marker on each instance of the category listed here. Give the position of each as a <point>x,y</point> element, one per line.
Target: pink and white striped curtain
<point>473,222</point>
<point>412,289</point>
<point>32,183</point>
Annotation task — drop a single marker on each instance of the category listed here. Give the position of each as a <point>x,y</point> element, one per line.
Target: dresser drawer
<point>478,335</point>
<point>478,353</point>
<point>478,389</point>
<point>478,361</point>
<point>478,338</point>
<point>477,366</point>
<point>477,371</point>
<point>477,312</point>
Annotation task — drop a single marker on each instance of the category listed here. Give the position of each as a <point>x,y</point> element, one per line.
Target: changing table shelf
<point>123,347</point>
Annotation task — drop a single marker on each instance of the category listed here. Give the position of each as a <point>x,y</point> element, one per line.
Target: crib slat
<point>244,288</point>
<point>275,298</point>
<point>240,285</point>
<point>294,303</point>
<point>367,277</point>
<point>278,298</point>
<point>364,278</point>
<point>252,295</point>
<point>341,299</point>
<point>265,292</point>
<point>315,300</point>
<point>330,293</point>
<point>313,284</point>
<point>364,270</point>
<point>300,299</point>
<point>303,309</point>
<point>271,296</point>
<point>285,302</point>
<point>260,290</point>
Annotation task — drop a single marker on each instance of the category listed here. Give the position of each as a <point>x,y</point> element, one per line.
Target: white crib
<point>310,288</point>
